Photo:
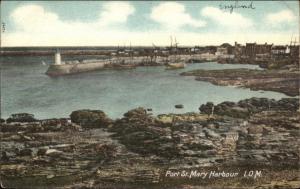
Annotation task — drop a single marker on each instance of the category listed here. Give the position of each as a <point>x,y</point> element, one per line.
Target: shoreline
<point>138,148</point>
<point>282,81</point>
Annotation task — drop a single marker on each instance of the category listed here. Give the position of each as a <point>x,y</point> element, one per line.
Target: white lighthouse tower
<point>57,57</point>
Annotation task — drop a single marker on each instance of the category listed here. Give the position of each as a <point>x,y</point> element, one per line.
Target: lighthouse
<point>57,57</point>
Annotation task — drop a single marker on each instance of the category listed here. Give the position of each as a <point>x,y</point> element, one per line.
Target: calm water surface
<point>25,88</point>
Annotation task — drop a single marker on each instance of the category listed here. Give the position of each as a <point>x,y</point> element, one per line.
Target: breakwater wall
<point>73,67</point>
<point>185,58</point>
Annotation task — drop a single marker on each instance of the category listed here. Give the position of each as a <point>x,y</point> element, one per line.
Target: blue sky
<point>84,23</point>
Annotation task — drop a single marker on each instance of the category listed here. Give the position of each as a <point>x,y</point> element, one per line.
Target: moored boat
<point>171,66</point>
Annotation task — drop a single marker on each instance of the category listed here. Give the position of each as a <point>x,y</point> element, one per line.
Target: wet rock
<point>247,107</point>
<point>4,156</point>
<point>90,118</point>
<point>144,134</point>
<point>230,109</point>
<point>179,106</point>
<point>286,82</point>
<point>13,138</point>
<point>183,140</point>
<point>291,104</point>
<point>25,152</point>
<point>207,108</point>
<point>50,176</point>
<point>165,119</point>
<point>42,151</point>
<point>11,127</point>
<point>53,152</point>
<point>138,112</point>
<point>187,117</point>
<point>49,125</point>
<point>255,129</point>
<point>61,124</point>
<point>105,151</point>
<point>210,133</point>
<point>64,147</point>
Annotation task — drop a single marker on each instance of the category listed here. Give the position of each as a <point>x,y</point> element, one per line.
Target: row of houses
<point>253,52</point>
<point>248,53</point>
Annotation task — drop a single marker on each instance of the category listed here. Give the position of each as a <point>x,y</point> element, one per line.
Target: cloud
<point>172,15</point>
<point>34,18</point>
<point>284,16</point>
<point>37,26</point>
<point>115,12</point>
<point>233,20</point>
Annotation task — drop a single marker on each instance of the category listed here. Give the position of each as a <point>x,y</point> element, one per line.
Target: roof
<point>225,45</point>
<point>279,47</point>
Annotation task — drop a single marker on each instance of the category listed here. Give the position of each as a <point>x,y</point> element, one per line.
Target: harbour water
<point>25,88</point>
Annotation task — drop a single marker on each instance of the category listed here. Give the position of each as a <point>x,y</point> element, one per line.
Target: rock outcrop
<point>144,134</point>
<point>257,133</point>
<point>90,118</point>
<point>283,81</point>
<point>247,107</point>
<point>21,117</point>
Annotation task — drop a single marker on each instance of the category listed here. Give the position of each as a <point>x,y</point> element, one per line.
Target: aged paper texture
<point>149,94</point>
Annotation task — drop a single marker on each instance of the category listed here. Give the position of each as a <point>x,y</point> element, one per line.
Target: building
<point>253,49</point>
<point>238,50</point>
<point>225,53</point>
<point>230,48</point>
<point>280,52</point>
<point>221,51</point>
<point>294,53</point>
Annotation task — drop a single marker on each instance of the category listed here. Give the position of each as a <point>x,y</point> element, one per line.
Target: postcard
<point>149,94</point>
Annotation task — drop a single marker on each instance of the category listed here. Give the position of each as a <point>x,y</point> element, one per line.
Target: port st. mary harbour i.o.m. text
<point>198,174</point>
<point>149,94</point>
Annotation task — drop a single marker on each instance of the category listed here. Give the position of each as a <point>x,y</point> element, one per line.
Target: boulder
<point>255,129</point>
<point>2,120</point>
<point>42,151</point>
<point>90,118</point>
<point>206,108</point>
<point>248,107</point>
<point>236,112</point>
<point>53,152</point>
<point>21,117</point>
<point>4,156</point>
<point>143,134</point>
<point>25,152</point>
<point>136,112</point>
<point>291,104</point>
<point>179,106</point>
<point>105,151</point>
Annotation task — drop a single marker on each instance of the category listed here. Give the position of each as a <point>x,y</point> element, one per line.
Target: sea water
<point>26,88</point>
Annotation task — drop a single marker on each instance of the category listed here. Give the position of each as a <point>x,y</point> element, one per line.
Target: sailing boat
<point>177,63</point>
<point>121,64</point>
<point>44,63</point>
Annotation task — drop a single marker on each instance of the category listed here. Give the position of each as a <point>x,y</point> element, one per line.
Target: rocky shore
<point>90,150</point>
<point>283,81</point>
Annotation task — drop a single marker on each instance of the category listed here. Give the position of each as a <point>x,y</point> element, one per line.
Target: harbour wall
<point>72,68</point>
<point>65,69</point>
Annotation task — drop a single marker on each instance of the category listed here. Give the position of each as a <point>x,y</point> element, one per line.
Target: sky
<point>143,23</point>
